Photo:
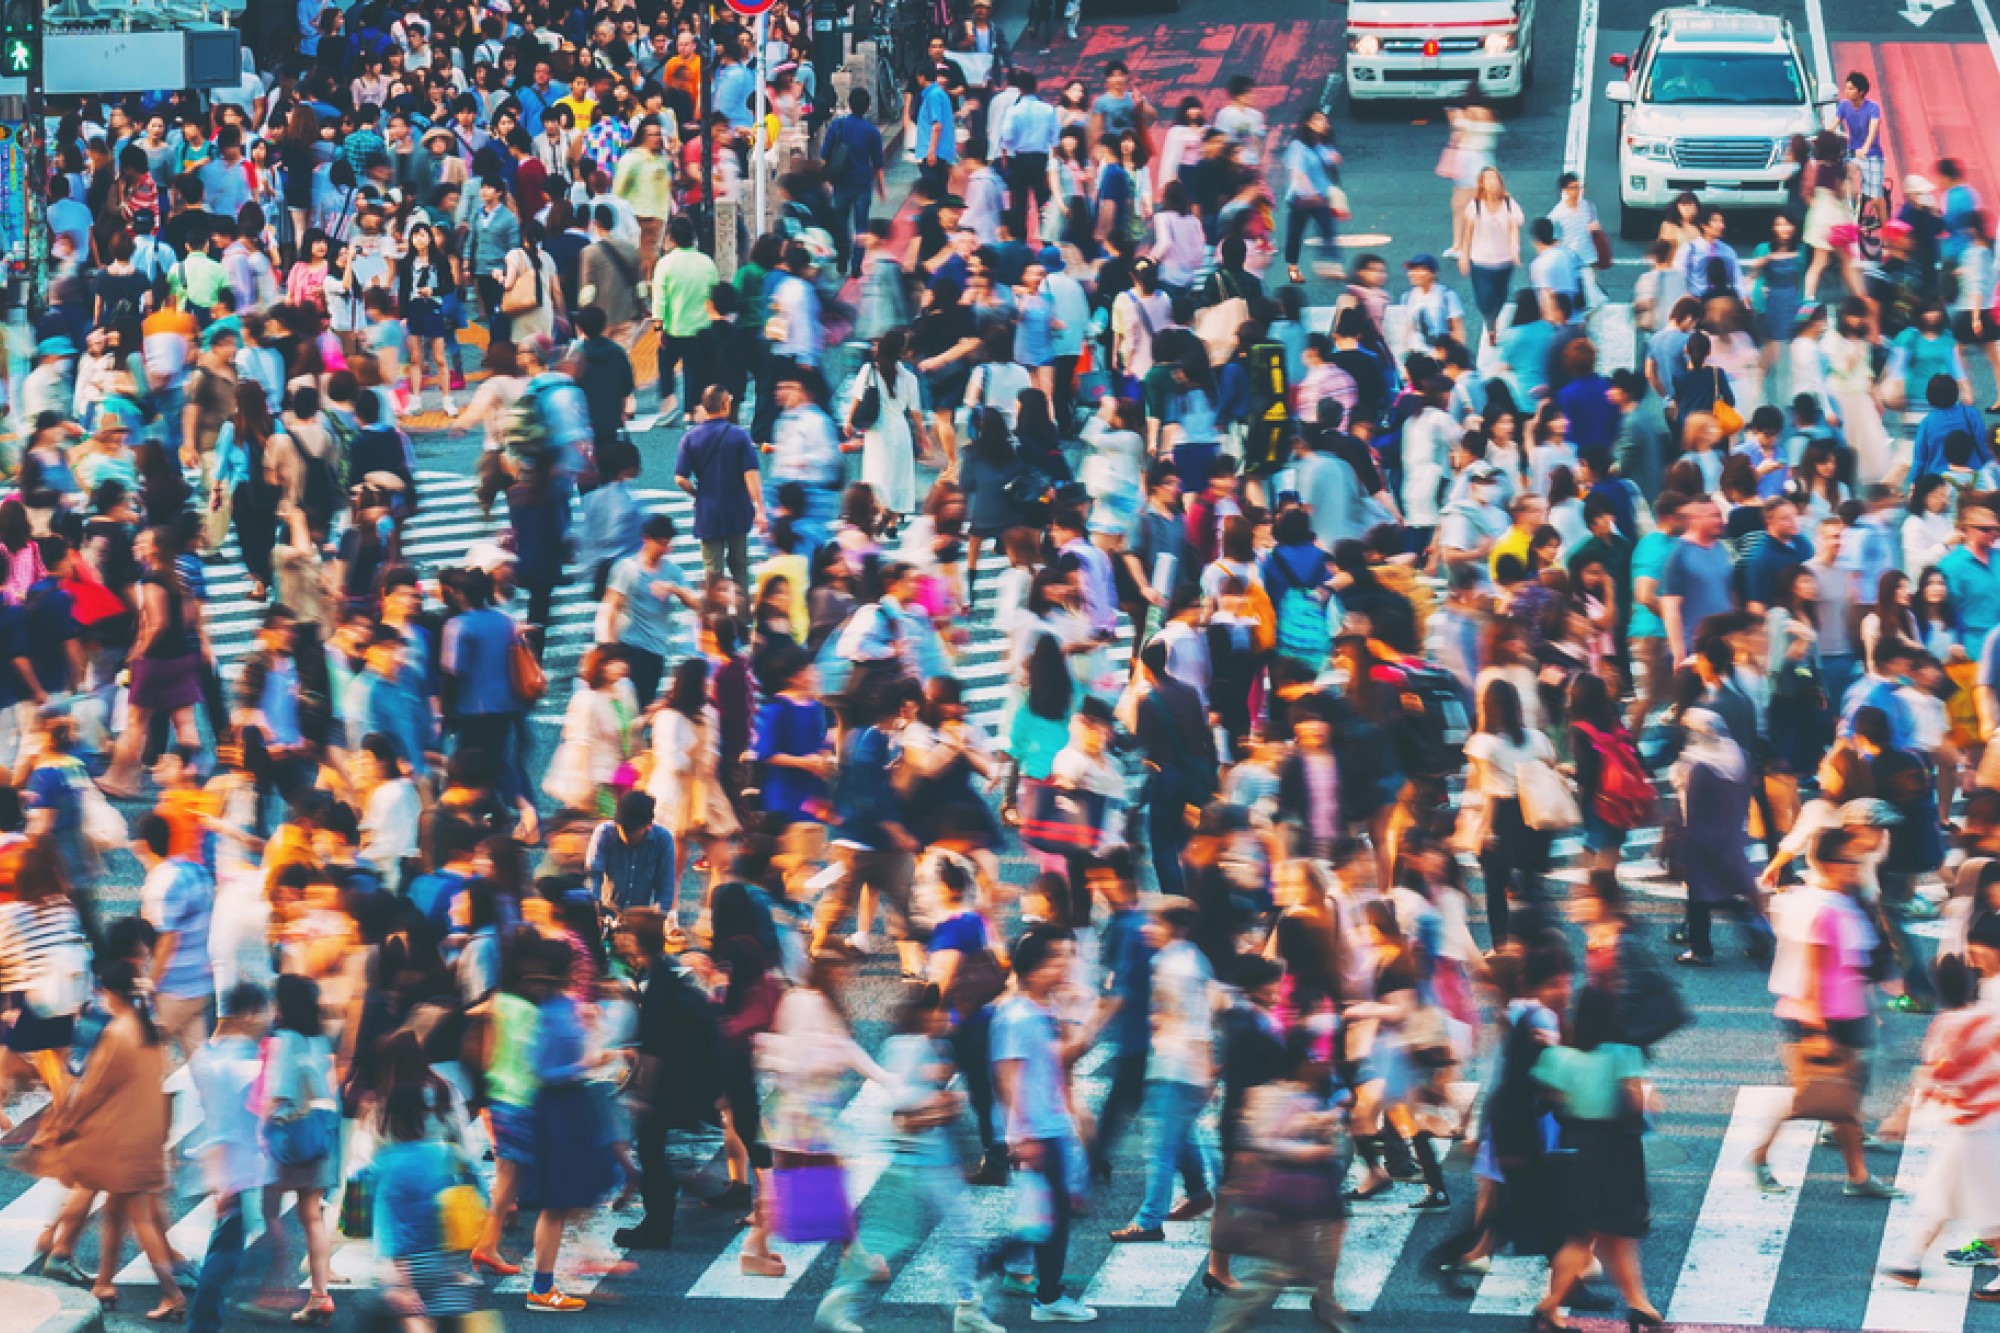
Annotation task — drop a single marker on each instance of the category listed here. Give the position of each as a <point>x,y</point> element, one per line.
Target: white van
<point>1708,104</point>
<point>1436,49</point>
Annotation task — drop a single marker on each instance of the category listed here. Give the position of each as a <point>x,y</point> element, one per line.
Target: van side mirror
<point>1618,90</point>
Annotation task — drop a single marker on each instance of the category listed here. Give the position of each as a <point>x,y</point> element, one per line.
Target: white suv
<point>1709,102</point>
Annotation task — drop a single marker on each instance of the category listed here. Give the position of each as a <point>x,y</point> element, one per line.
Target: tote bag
<point>1547,803</point>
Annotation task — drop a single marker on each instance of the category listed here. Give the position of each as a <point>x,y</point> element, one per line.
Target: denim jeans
<point>1298,215</point>
<point>218,1268</point>
<point>1171,1109</point>
<point>1052,1250</point>
<point>850,220</point>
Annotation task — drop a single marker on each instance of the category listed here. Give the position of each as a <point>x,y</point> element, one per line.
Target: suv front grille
<point>1723,154</point>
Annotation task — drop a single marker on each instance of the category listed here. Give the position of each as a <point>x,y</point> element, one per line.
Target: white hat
<point>1918,186</point>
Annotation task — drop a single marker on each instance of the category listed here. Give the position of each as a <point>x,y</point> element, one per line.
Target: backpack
<point>1435,724</point>
<point>1648,1005</point>
<point>527,433</point>
<point>1624,797</point>
<point>1264,635</point>
<point>1303,634</point>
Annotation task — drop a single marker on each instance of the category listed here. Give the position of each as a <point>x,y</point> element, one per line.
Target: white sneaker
<point>831,1316</point>
<point>860,943</point>
<point>1068,1310</point>
<point>969,1317</point>
<point>450,407</point>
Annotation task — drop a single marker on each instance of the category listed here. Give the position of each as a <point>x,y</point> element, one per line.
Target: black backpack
<point>1435,724</point>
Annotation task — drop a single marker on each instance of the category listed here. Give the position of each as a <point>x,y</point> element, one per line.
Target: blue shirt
<point>934,108</point>
<point>396,709</point>
<point>794,728</point>
<point>432,894</point>
<point>1773,558</point>
<point>1127,961</point>
<point>477,646</point>
<point>735,85</point>
<point>864,153</point>
<point>1031,127</point>
<point>1872,691</point>
<point>1927,453</point>
<point>1700,577</point>
<point>1975,591</point>
<point>1024,1031</point>
<point>717,456</point>
<point>280,702</point>
<point>178,898</point>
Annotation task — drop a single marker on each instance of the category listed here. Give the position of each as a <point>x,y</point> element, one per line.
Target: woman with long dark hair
<point>891,439</point>
<point>301,1127</point>
<point>166,662</point>
<point>1598,740</point>
<point>1512,856</point>
<point>425,288</point>
<point>252,457</point>
<point>686,759</point>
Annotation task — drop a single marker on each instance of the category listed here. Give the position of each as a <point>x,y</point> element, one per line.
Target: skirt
<point>166,684</point>
<point>29,1032</point>
<point>573,1167</point>
<point>425,319</point>
<point>1602,1169</point>
<point>513,1132</point>
<point>1965,1160</point>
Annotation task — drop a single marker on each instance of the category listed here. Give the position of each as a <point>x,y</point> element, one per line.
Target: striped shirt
<point>1962,1057</point>
<point>29,932</point>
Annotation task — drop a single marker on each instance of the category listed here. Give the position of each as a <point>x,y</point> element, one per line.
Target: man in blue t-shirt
<point>178,900</point>
<point>852,150</point>
<point>936,135</point>
<point>1695,584</point>
<point>717,465</point>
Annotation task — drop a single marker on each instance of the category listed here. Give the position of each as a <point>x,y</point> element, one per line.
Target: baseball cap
<point>1428,261</point>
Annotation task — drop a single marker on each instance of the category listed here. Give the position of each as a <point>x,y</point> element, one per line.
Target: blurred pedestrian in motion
<point>225,1070</point>
<point>412,1168</point>
<point>1601,1097</point>
<point>572,1166</point>
<point>1282,1215</point>
<point>923,1192</point>
<point>300,1129</point>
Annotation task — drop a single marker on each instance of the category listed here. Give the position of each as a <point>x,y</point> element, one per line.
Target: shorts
<point>1871,174</point>
<point>29,1032</point>
<point>1599,836</point>
<point>425,319</point>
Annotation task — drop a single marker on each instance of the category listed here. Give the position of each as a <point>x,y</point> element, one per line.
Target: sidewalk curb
<point>39,1305</point>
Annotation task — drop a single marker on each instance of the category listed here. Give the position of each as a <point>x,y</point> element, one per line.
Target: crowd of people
<point>1312,617</point>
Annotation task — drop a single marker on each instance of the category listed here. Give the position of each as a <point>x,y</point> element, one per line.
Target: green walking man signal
<point>20,56</point>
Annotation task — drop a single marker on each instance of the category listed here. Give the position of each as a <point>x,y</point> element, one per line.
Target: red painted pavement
<point>1939,99</point>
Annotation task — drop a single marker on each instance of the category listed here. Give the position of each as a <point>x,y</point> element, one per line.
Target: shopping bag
<point>810,1203</point>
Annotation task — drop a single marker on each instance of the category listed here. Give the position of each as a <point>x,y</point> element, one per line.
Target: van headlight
<point>1367,44</point>
<point>1650,147</point>
<point>1500,43</point>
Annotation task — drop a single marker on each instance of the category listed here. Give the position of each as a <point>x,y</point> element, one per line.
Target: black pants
<point>971,1044</point>
<point>541,606</point>
<point>1127,1094</point>
<point>1049,1253</point>
<point>1027,178</point>
<point>647,669</point>
<point>1512,862</point>
<point>673,357</point>
<point>498,325</point>
<point>659,1190</point>
<point>495,734</point>
<point>1063,401</point>
<point>1701,917</point>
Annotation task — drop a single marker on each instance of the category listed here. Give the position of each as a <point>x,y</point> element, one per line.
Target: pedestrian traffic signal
<point>21,39</point>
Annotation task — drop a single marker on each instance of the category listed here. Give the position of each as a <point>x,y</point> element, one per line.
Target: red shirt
<point>531,186</point>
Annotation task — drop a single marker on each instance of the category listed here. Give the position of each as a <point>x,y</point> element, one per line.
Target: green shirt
<point>1649,561</point>
<point>646,181</point>
<point>682,281</point>
<point>199,280</point>
<point>510,1074</point>
<point>1589,1081</point>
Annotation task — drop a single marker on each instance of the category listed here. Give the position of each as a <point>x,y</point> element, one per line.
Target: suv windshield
<point>1724,78</point>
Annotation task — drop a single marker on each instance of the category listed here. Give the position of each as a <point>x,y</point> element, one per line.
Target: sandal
<point>761,1265</point>
<point>1297,278</point>
<point>107,1299</point>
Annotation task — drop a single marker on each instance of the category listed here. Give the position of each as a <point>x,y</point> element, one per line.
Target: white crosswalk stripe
<point>1729,1277</point>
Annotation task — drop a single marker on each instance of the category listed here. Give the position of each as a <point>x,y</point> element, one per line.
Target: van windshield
<point>1725,78</point>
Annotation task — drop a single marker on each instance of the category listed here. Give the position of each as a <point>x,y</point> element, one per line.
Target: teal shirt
<point>1589,1081</point>
<point>1649,561</point>
<point>1975,591</point>
<point>1525,349</point>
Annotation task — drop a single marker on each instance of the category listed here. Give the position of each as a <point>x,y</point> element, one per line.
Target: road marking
<point>1513,1286</point>
<point>1986,25</point>
<point>1822,56</point>
<point>868,1114</point>
<point>1739,1239</point>
<point>1153,1277</point>
<point>1938,1305</point>
<point>1576,144</point>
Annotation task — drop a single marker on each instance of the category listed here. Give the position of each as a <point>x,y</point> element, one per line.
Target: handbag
<point>1826,1080</point>
<point>303,1139</point>
<point>461,1218</point>
<point>1427,1038</point>
<point>977,981</point>
<point>1061,820</point>
<point>525,673</point>
<point>867,408</point>
<point>810,1201</point>
<point>1725,413</point>
<point>357,1206</point>
<point>1475,820</point>
<point>1548,805</point>
<point>519,297</point>
<point>1601,241</point>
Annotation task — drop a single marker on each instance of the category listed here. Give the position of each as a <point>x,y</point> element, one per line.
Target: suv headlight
<point>1367,44</point>
<point>1651,147</point>
<point>1500,43</point>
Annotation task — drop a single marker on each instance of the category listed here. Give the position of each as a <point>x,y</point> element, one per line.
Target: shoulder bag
<point>523,294</point>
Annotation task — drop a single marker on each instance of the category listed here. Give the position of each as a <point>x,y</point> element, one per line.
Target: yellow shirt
<point>1512,542</point>
<point>583,108</point>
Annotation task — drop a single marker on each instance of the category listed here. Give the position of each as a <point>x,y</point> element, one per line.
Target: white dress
<point>685,787</point>
<point>1850,382</point>
<point>888,448</point>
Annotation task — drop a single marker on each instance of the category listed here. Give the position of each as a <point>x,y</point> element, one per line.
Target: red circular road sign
<point>751,8</point>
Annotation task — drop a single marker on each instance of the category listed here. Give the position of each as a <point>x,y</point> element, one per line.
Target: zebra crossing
<point>1731,1271</point>
<point>449,523</point>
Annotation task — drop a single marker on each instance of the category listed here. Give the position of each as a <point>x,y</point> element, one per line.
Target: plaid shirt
<point>605,142</point>
<point>363,149</point>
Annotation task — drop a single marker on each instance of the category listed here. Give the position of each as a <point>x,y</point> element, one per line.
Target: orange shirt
<point>684,73</point>
<point>183,808</point>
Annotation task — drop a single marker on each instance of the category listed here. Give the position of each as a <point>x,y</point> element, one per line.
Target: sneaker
<point>1434,1201</point>
<point>1768,1183</point>
<point>450,405</point>
<point>1479,1267</point>
<point>643,1237</point>
<point>1972,1255</point>
<point>1068,1310</point>
<point>968,1317</point>
<point>1910,1004</point>
<point>832,1317</point>
<point>1908,1277</point>
<point>1018,1284</point>
<point>1870,1188</point>
<point>553,1301</point>
<point>860,943</point>
<point>1869,1143</point>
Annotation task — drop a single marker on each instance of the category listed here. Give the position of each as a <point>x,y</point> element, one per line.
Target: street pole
<point>701,115</point>
<point>757,132</point>
<point>34,205</point>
